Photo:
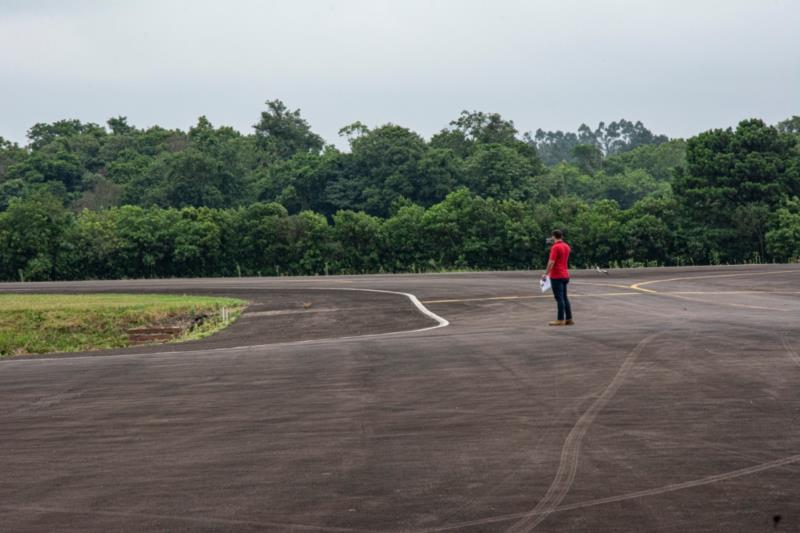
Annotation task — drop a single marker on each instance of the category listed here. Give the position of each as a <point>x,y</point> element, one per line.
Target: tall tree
<point>485,128</point>
<point>476,128</point>
<point>497,171</point>
<point>737,176</point>
<point>383,166</point>
<point>281,133</point>
<point>790,125</point>
<point>10,154</point>
<point>31,233</point>
<point>588,157</point>
<point>658,160</point>
<point>612,138</point>
<point>42,134</point>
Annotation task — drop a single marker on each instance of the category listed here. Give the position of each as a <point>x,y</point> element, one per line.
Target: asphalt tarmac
<point>672,405</point>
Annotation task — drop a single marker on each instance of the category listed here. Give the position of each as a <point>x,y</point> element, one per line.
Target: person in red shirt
<point>559,278</point>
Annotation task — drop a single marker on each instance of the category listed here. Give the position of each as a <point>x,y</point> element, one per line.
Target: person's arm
<point>547,270</point>
<point>551,261</point>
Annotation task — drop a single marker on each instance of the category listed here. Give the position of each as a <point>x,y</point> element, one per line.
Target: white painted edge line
<point>441,323</point>
<point>414,300</point>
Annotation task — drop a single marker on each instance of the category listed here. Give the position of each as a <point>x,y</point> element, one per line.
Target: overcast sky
<point>680,66</point>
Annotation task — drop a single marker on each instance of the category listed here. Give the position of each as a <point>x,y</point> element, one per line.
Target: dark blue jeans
<point>560,293</point>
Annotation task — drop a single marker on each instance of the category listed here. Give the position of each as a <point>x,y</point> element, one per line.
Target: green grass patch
<point>42,323</point>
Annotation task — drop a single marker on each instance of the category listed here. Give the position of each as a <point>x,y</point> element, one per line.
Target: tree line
<point>84,201</point>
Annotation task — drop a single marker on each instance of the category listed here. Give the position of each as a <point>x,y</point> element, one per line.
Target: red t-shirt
<point>559,254</point>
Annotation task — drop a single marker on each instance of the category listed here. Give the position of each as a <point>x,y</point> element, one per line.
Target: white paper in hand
<point>545,284</point>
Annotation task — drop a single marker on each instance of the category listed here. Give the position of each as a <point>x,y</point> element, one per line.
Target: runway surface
<point>672,405</point>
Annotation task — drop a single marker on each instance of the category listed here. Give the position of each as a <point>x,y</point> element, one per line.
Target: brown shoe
<point>569,322</point>
<point>557,323</point>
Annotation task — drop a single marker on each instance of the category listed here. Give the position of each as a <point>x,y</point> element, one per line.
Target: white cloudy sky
<point>680,66</point>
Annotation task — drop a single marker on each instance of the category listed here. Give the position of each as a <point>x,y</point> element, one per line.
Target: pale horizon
<point>680,67</point>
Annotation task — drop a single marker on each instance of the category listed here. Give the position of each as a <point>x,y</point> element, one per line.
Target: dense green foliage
<point>85,201</point>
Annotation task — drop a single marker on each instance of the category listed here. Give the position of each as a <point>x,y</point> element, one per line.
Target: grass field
<point>42,323</point>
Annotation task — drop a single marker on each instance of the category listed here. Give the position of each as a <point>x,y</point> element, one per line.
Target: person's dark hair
<point>557,233</point>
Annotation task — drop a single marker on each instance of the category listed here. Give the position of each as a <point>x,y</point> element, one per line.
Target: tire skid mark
<point>672,487</point>
<point>793,355</point>
<point>570,410</point>
<point>570,451</point>
<point>754,469</point>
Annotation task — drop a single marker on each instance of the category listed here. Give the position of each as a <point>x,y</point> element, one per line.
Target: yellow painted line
<point>677,294</point>
<point>682,294</point>
<point>729,292</point>
<point>638,286</point>
<point>729,304</point>
<point>490,298</point>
